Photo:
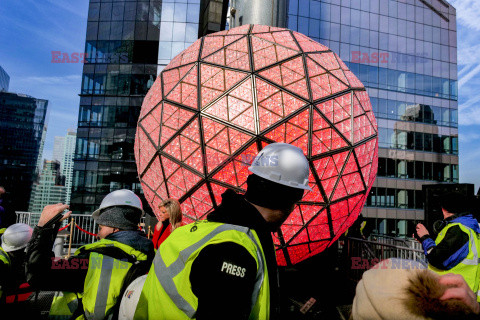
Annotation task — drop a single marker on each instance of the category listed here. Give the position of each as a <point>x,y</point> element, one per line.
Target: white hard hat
<point>282,163</point>
<point>16,237</point>
<point>121,197</point>
<point>130,298</point>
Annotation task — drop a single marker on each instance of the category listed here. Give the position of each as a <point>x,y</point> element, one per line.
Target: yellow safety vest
<point>167,293</point>
<point>469,267</point>
<point>64,304</point>
<point>103,283</point>
<point>5,259</point>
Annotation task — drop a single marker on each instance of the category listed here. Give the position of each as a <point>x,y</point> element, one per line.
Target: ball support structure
<point>233,92</point>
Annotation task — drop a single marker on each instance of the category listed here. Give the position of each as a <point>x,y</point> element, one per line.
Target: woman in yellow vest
<point>94,278</point>
<point>225,267</point>
<point>455,250</point>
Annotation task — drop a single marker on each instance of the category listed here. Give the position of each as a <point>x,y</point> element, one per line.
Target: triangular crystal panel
<point>215,81</point>
<point>185,92</point>
<point>173,119</point>
<point>235,55</point>
<point>212,43</point>
<point>290,74</point>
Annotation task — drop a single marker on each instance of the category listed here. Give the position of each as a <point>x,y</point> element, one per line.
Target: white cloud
<point>50,37</point>
<point>469,137</point>
<point>65,6</point>
<point>470,116</point>
<point>53,81</point>
<point>469,111</point>
<point>59,90</point>
<point>468,12</point>
<point>468,52</point>
<point>466,78</point>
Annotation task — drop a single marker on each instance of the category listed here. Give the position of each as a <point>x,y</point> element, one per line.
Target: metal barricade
<point>25,217</point>
<point>364,254</point>
<point>84,227</point>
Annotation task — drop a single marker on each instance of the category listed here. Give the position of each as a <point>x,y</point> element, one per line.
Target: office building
<point>22,122</point>
<point>127,43</point>
<point>405,53</point>
<point>42,145</point>
<point>4,80</point>
<point>63,152</point>
<point>58,149</point>
<point>48,189</point>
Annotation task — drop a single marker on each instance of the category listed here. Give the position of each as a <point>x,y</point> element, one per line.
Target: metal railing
<point>398,241</point>
<point>26,217</point>
<point>364,254</point>
<point>79,237</point>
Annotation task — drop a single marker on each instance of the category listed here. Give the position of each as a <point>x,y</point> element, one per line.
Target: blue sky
<point>30,30</point>
<point>468,34</point>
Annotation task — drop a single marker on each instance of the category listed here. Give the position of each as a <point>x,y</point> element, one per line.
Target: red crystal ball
<point>233,92</point>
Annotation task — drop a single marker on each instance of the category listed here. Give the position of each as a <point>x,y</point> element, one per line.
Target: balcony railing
<point>82,231</point>
<point>364,254</point>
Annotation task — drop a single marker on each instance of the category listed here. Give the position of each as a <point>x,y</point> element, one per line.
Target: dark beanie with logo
<point>269,194</point>
<point>121,217</point>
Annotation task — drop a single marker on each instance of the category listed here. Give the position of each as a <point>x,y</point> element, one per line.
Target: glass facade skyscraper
<point>178,28</point>
<point>22,121</point>
<point>405,53</point>
<point>63,151</point>
<point>127,44</point>
<point>4,80</point>
<point>48,189</point>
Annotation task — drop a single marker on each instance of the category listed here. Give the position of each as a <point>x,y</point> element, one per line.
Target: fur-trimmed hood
<point>402,291</point>
<point>422,298</point>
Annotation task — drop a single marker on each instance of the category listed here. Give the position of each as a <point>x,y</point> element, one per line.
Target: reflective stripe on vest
<point>103,285</point>
<point>4,256</point>
<point>104,279</point>
<point>469,267</point>
<point>64,305</point>
<point>167,293</point>
<point>166,274</point>
<point>101,298</point>
<point>5,259</point>
<point>473,247</point>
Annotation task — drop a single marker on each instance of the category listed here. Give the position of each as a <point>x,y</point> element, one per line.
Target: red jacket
<point>160,235</point>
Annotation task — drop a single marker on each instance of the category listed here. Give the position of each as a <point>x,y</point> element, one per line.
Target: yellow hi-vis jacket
<point>469,267</point>
<point>64,304</point>
<point>5,259</point>
<point>167,293</point>
<point>103,283</point>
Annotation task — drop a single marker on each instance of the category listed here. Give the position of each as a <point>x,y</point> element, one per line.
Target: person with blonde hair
<point>169,219</point>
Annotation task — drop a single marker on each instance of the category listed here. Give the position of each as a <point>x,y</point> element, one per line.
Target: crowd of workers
<point>225,266</point>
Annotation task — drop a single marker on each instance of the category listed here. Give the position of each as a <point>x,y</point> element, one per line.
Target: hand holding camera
<point>53,214</point>
<point>420,231</point>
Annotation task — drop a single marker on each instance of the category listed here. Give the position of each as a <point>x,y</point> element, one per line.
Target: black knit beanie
<point>121,217</point>
<point>456,203</point>
<point>272,195</point>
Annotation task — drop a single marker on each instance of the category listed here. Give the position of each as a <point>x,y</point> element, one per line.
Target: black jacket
<point>229,295</point>
<point>454,246</point>
<point>45,273</point>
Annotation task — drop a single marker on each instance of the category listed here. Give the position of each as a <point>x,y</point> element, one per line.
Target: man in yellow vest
<point>94,278</point>
<point>455,250</point>
<point>225,267</point>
